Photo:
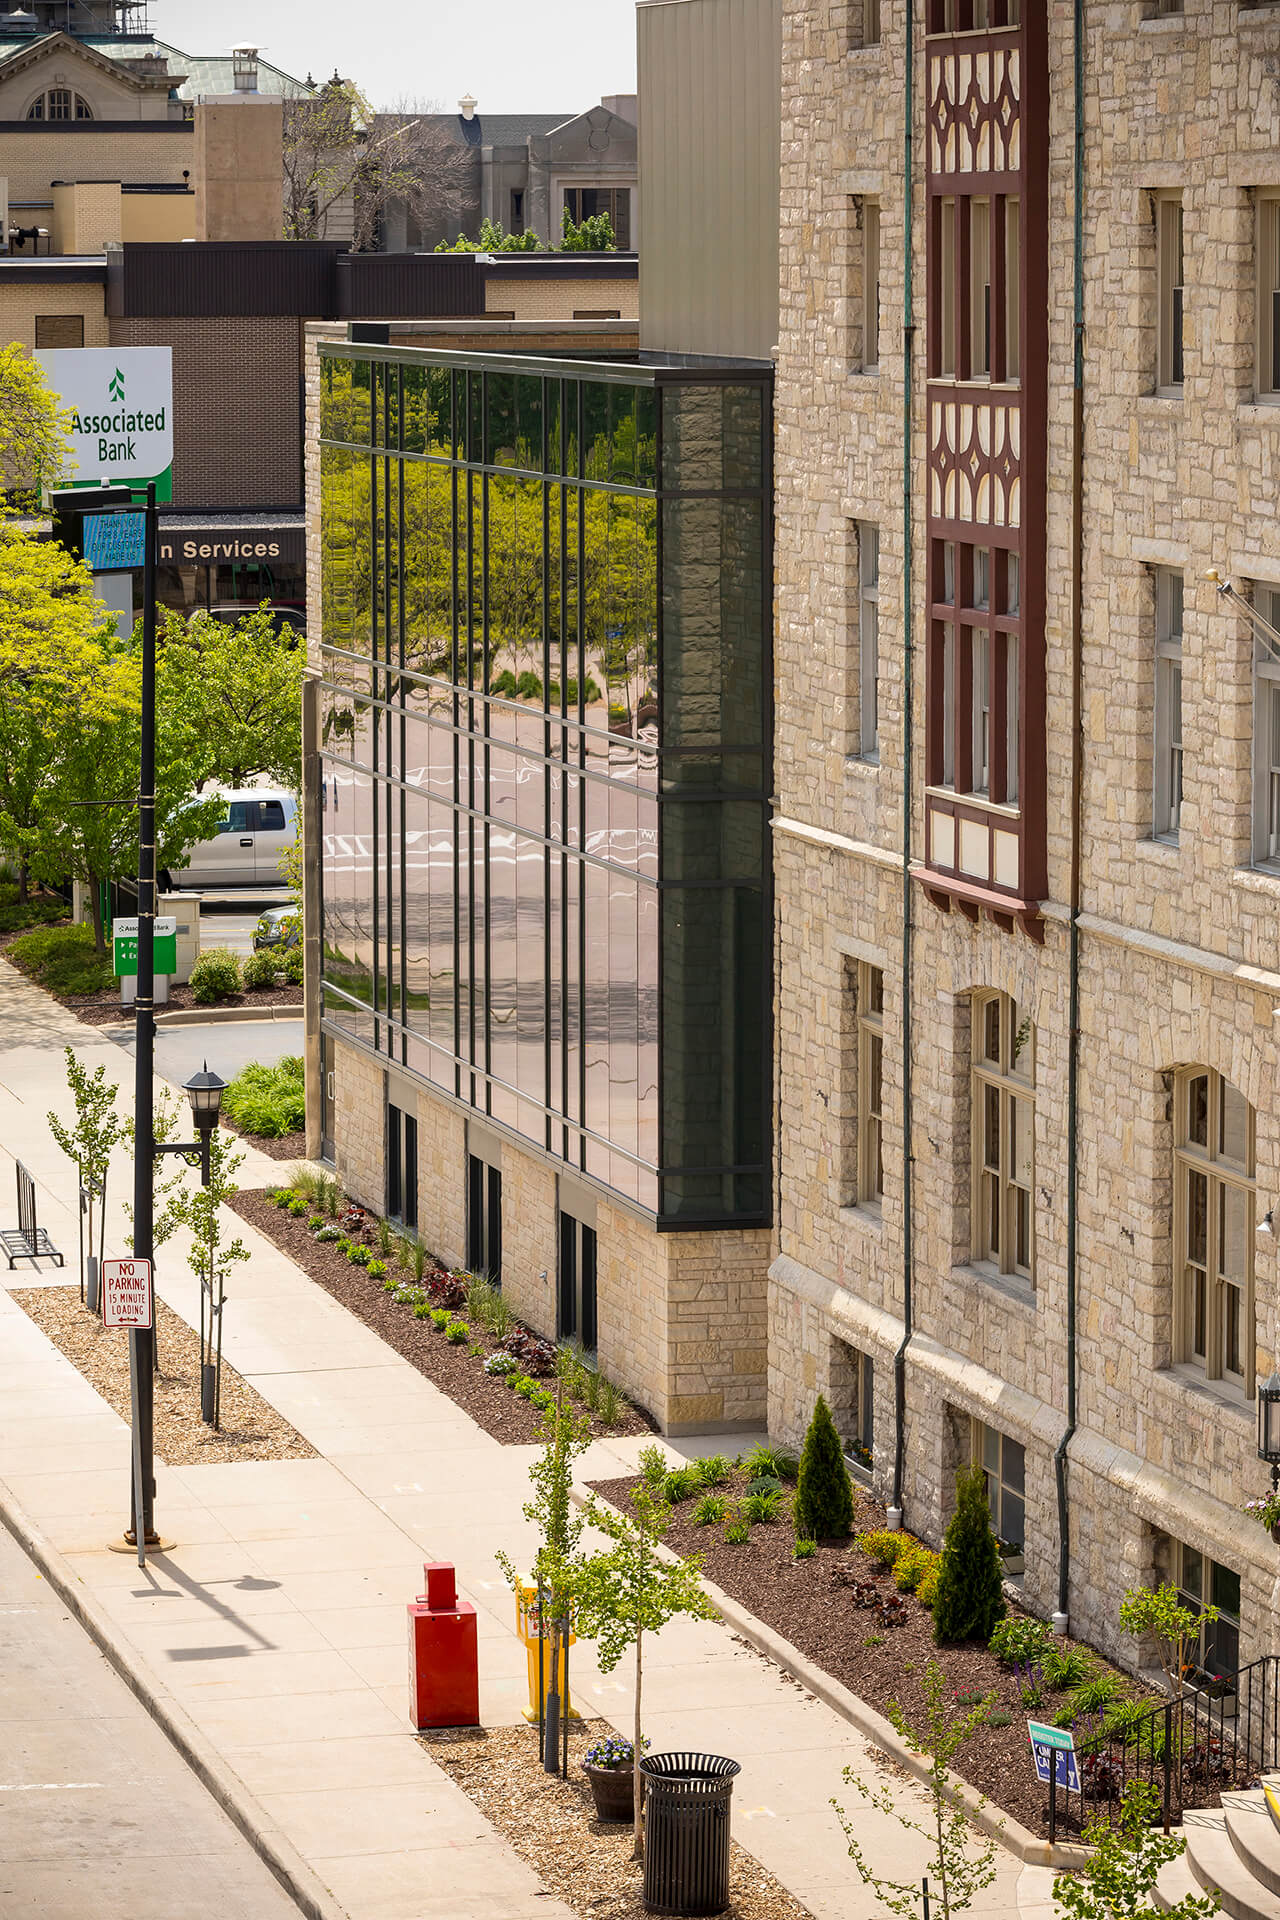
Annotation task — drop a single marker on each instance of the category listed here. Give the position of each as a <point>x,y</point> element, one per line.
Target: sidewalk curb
<point>276,1852</point>
<point>1003,1828</point>
<point>215,1016</point>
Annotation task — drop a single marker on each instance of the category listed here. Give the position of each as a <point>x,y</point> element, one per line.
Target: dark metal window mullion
<point>374,863</point>
<point>457,753</point>
<point>486,756</point>
<point>579,657</point>
<point>404,748</point>
<point>659,806</point>
<point>547,997</point>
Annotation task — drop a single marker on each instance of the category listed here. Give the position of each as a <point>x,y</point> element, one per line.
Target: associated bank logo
<point>116,387</point>
<point>118,403</point>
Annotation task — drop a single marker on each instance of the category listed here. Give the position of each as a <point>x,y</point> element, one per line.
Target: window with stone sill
<point>1167,743</point>
<point>1213,1229</point>
<point>1169,292</point>
<point>1266,733</point>
<point>863,290</point>
<point>1004,1464</point>
<point>868,541</point>
<point>1202,1581</point>
<point>1003,1135</point>
<point>863,1156</point>
<point>1268,328</point>
<point>852,1396</point>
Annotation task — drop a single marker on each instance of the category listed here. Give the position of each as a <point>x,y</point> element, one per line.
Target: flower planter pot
<point>1275,1533</point>
<point>612,1789</point>
<point>1014,1563</point>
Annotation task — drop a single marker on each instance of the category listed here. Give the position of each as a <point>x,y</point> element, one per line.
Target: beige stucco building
<point>1028,813</point>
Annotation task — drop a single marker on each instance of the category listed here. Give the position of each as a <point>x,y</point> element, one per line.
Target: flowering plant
<point>614,1753</point>
<point>1265,1512</point>
<point>501,1363</point>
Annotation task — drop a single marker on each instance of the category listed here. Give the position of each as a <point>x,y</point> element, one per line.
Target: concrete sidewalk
<point>275,1631</point>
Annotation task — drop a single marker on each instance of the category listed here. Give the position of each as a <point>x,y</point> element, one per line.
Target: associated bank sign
<point>120,400</point>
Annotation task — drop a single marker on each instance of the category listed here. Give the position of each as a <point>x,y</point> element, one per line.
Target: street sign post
<point>1054,1751</point>
<point>127,1296</point>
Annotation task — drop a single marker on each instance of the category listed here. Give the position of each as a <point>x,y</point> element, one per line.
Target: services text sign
<point>126,1293</point>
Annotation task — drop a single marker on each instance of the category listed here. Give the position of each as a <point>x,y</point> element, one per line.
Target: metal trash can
<point>686,1831</point>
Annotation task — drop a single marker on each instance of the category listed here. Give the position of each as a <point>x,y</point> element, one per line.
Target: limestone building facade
<point>1028,809</point>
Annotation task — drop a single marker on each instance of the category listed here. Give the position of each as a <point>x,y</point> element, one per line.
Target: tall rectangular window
<point>871,285</point>
<point>870,990</point>
<point>1169,287</point>
<point>402,1167</point>
<point>1266,731</point>
<point>1214,1171</point>
<point>1203,1582</point>
<point>1268,250</point>
<point>484,1218</point>
<point>870,12</point>
<point>1004,1463</point>
<point>1167,788</point>
<point>868,640</point>
<point>1004,1050</point>
<point>576,1283</point>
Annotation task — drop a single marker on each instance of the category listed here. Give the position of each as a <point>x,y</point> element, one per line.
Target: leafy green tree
<point>493,239</point>
<point>1117,1883</point>
<point>232,696</point>
<point>34,447</point>
<point>98,1127</point>
<point>970,1595</point>
<point>198,1208</point>
<point>343,159</point>
<point>958,1869</point>
<point>630,1590</point>
<point>823,1508</point>
<point>593,234</point>
<point>1159,1612</point>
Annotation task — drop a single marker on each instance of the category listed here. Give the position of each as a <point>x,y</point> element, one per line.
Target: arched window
<point>59,103</point>
<point>1004,1073</point>
<point>1213,1228</point>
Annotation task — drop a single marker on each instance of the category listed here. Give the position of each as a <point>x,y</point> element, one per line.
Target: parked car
<point>259,823</point>
<point>278,929</point>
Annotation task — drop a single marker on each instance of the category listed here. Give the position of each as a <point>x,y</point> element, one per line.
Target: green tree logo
<point>116,388</point>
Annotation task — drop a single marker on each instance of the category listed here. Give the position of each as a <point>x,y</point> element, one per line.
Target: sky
<point>514,58</point>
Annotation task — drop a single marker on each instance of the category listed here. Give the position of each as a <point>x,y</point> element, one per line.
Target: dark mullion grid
<point>547,995</point>
<point>404,742</point>
<point>659,810</point>
<point>485,750</point>
<point>456,704</point>
<point>997,656</point>
<point>579,613</point>
<point>377,731</point>
<point>568,868</point>
<point>997,279</point>
<point>962,292</point>
<point>962,654</point>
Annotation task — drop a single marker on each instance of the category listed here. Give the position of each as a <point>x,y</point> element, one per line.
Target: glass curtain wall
<point>545,764</point>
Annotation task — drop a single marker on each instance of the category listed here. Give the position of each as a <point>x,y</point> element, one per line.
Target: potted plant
<point>1011,1554</point>
<point>1266,1512</point>
<point>609,1766</point>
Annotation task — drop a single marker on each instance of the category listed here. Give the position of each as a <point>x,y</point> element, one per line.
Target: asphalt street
<point>98,1813</point>
<point>228,919</point>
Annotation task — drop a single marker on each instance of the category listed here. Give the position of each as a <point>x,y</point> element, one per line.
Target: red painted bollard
<point>444,1680</point>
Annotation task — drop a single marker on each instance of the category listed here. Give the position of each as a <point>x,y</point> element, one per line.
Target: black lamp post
<point>1269,1425</point>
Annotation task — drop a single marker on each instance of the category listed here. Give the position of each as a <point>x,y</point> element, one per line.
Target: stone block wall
<point>1177,943</point>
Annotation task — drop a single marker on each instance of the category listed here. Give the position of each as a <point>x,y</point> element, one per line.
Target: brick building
<point>1027,812</point>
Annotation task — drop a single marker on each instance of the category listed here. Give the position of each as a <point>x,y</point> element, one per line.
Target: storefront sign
<point>214,546</point>
<point>120,400</point>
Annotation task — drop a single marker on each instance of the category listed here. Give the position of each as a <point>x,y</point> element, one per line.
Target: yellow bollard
<point>528,1628</point>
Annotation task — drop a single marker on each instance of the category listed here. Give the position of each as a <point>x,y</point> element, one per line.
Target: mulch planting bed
<point>552,1825</point>
<point>459,1374</point>
<point>811,1603</point>
<point>250,1429</point>
<point>104,1009</point>
<point>290,1146</point>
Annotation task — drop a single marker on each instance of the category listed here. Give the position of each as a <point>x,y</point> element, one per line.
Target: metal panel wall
<point>710,155</point>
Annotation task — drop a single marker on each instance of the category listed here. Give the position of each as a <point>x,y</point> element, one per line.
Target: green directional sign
<point>124,943</point>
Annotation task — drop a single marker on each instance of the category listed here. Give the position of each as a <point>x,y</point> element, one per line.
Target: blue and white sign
<point>115,542</point>
<point>1054,1751</point>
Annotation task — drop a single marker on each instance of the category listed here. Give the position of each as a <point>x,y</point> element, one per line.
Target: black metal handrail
<point>1207,1740</point>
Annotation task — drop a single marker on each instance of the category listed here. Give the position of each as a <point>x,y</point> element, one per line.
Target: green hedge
<point>268,1101</point>
<point>63,959</point>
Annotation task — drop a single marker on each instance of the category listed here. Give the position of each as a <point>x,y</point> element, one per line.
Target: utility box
<point>444,1674</point>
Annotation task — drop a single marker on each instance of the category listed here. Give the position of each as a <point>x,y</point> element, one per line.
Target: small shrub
<point>778,1462</point>
<point>297,1206</point>
<point>679,1485</point>
<point>292,966</point>
<point>927,1591</point>
<point>1123,1718</point>
<point>358,1256</point>
<point>316,1221</point>
<point>440,1317</point>
<point>737,1532</point>
<point>765,1484</point>
<point>591,1389</point>
<point>457,1333</point>
<point>1017,1640</point>
<point>883,1545</point>
<point>763,1506</point>
<point>824,1497</point>
<point>612,1405</point>
<point>500,1363</point>
<point>215,976</point>
<point>270,1102</point>
<point>329,1234</point>
<point>710,1510</point>
<point>540,1398</point>
<point>1100,1691</point>
<point>421,1310</point>
<point>405,1296</point>
<point>376,1269</point>
<point>970,1597</point>
<point>259,971</point>
<point>63,959</point>
<point>714,1470</point>
<point>383,1236</point>
<point>999,1718</point>
<point>804,1549</point>
<point>910,1567</point>
<point>389,1284</point>
<point>1065,1667</point>
<point>525,1386</point>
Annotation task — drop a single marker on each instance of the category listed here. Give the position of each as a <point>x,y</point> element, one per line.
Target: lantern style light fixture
<point>205,1090</point>
<point>1269,1425</point>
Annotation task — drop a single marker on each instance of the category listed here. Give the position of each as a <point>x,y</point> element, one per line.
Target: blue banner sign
<point>1054,1751</point>
<point>114,542</point>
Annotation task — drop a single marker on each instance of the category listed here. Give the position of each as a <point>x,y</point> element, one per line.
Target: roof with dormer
<point>17,56</point>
